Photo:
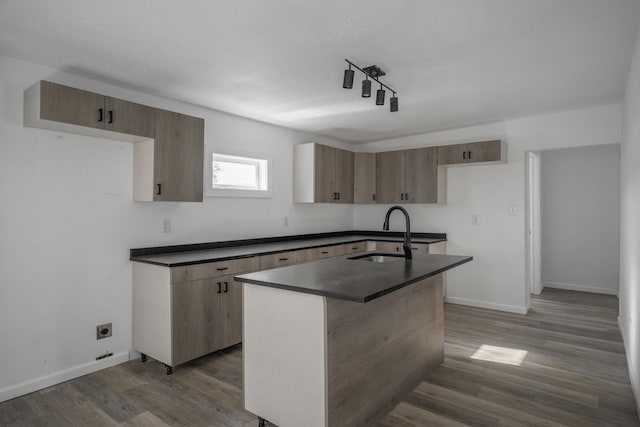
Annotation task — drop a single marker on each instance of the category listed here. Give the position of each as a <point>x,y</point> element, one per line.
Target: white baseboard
<point>486,304</point>
<point>61,376</point>
<point>633,379</point>
<point>573,287</point>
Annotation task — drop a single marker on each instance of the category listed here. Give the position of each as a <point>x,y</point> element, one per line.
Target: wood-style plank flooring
<point>574,374</point>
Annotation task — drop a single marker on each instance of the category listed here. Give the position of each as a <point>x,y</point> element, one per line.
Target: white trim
<point>635,386</point>
<point>61,376</point>
<point>486,304</point>
<point>581,288</point>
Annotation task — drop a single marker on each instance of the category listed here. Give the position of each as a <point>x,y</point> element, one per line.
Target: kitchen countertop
<point>173,256</point>
<point>354,280</point>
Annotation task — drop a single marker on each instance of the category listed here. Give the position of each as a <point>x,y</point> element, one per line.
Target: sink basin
<point>378,257</point>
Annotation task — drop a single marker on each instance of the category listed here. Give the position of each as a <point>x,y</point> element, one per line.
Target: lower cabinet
<point>177,320</point>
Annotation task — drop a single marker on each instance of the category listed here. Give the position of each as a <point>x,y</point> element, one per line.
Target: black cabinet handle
<point>374,197</point>
<point>110,116</point>
<point>222,268</point>
<point>338,196</point>
<point>469,154</point>
<point>406,196</point>
<point>401,196</point>
<point>464,155</point>
<point>324,252</point>
<point>355,248</point>
<point>226,286</point>
<point>219,291</point>
<point>100,114</point>
<point>283,259</point>
<point>159,189</point>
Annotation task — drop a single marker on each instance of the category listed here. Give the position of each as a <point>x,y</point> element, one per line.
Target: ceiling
<point>454,63</point>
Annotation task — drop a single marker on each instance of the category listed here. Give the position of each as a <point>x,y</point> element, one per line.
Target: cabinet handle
<point>100,114</point>
<point>219,291</point>
<point>374,197</point>
<point>469,154</point>
<point>222,268</point>
<point>355,248</point>
<point>406,196</point>
<point>401,196</point>
<point>226,287</point>
<point>464,155</point>
<point>283,259</point>
<point>338,196</point>
<point>324,252</point>
<point>159,189</point>
<point>110,116</point>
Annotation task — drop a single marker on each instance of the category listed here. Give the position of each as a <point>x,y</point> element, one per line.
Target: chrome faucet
<point>406,245</point>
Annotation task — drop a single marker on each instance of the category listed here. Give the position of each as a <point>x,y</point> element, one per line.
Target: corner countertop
<point>354,280</point>
<point>173,256</point>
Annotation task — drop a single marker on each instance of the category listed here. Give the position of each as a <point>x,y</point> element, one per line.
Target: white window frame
<point>234,153</point>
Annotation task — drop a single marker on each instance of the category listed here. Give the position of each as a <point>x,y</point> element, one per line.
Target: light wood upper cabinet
<point>474,152</point>
<point>52,106</point>
<point>177,159</point>
<point>168,150</point>
<point>407,176</point>
<point>322,174</point>
<point>364,178</point>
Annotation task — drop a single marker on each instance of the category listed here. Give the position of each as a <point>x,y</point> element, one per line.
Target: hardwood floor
<point>574,374</point>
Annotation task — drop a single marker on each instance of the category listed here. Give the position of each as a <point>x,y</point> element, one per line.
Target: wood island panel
<point>379,351</point>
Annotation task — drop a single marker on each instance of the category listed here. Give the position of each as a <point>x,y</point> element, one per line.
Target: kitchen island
<point>337,342</point>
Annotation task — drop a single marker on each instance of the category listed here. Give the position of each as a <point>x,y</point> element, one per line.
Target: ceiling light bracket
<point>373,71</point>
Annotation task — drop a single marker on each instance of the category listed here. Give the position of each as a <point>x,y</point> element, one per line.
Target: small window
<point>236,176</point>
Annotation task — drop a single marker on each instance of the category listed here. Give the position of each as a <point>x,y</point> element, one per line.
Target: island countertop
<point>351,279</point>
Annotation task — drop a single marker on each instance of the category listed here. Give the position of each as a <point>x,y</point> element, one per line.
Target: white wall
<point>67,222</point>
<point>581,218</point>
<point>630,224</point>
<point>496,276</point>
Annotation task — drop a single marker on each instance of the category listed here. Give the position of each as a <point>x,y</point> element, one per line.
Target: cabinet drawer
<point>279,260</point>
<point>214,269</point>
<point>352,248</point>
<point>314,254</point>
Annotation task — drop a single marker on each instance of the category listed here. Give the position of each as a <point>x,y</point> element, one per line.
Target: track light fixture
<point>374,72</point>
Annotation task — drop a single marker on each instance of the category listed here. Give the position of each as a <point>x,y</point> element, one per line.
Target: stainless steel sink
<point>378,257</point>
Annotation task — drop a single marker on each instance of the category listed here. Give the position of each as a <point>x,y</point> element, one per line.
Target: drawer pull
<point>226,286</point>
<point>355,248</point>
<point>100,114</point>
<point>222,268</point>
<point>283,259</point>
<point>324,252</point>
<point>219,291</point>
<point>110,116</point>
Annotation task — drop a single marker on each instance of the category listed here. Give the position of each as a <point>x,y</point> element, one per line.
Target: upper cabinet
<point>322,174</point>
<point>364,178</point>
<point>407,176</point>
<point>168,150</point>
<point>474,152</point>
<point>170,167</point>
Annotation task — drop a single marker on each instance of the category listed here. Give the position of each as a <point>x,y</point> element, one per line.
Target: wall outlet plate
<point>103,331</point>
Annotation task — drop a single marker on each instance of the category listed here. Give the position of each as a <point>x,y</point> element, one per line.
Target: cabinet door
<point>231,310</point>
<point>364,178</point>
<point>390,177</point>
<point>344,176</point>
<point>421,175</point>
<point>452,154</point>
<point>178,157</point>
<point>70,105</point>
<point>325,174</point>
<point>129,117</point>
<point>485,151</point>
<point>196,319</point>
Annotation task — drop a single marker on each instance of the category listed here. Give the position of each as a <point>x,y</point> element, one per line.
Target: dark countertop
<point>173,256</point>
<point>353,280</point>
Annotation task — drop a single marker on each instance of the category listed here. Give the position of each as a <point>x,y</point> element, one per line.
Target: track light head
<point>366,88</point>
<point>347,81</point>
<point>394,103</point>
<point>380,96</point>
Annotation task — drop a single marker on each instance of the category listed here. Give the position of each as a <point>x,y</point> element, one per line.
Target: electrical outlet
<point>103,331</point>
<point>513,210</point>
<point>474,219</point>
<point>166,225</point>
